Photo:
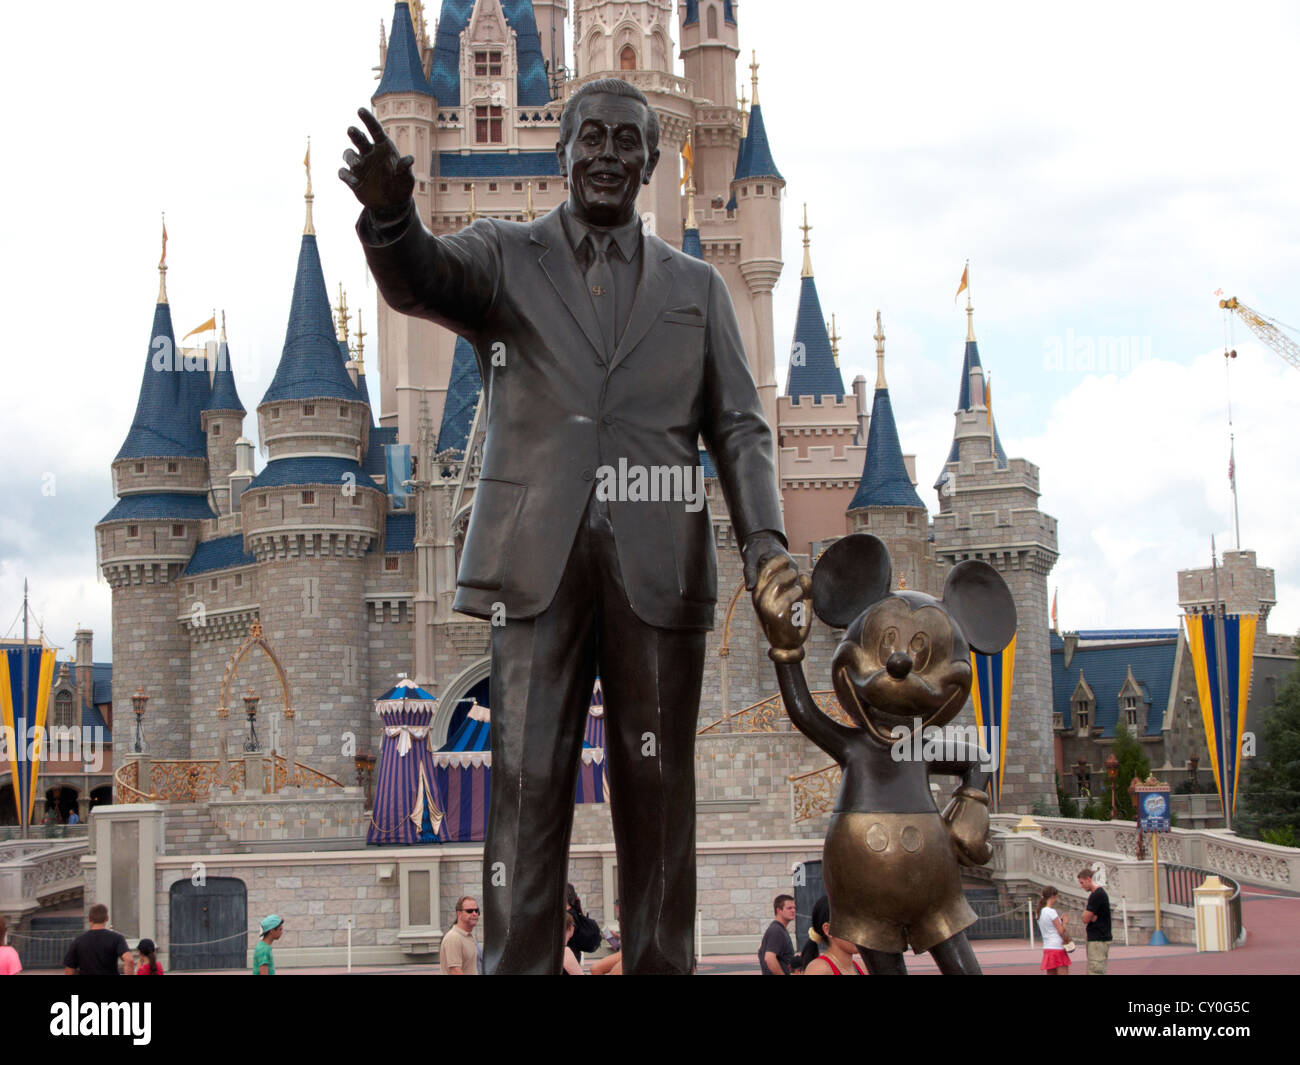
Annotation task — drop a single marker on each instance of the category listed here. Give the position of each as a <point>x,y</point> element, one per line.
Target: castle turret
<point>223,424</point>
<point>988,509</point>
<point>550,16</point>
<point>160,478</point>
<point>886,503</point>
<point>310,517</point>
<point>710,46</point>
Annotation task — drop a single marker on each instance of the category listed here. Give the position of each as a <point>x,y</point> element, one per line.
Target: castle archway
<point>258,640</point>
<point>456,691</point>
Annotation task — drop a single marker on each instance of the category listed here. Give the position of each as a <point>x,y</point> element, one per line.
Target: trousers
<point>543,671</point>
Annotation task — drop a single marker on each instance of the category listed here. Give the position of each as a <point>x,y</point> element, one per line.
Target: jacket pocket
<point>492,527</point>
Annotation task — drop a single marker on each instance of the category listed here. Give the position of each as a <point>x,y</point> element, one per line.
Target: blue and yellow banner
<point>1223,731</point>
<point>991,694</point>
<point>26,675</point>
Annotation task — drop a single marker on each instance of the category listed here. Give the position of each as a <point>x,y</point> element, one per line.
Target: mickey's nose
<point>899,665</point>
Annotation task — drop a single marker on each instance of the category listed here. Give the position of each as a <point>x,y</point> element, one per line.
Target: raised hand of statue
<point>378,177</point>
<point>967,818</point>
<point>783,599</point>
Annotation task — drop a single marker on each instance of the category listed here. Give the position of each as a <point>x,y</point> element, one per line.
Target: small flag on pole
<point>988,398</point>
<point>1232,467</point>
<point>688,156</point>
<point>1055,625</point>
<point>210,324</point>
<point>965,279</point>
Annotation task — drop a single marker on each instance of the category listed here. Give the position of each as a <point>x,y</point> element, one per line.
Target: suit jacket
<point>559,407</point>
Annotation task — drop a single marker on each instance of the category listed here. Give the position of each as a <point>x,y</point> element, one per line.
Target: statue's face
<point>901,661</point>
<point>607,159</point>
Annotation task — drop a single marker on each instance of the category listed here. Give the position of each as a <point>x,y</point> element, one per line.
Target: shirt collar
<point>626,236</point>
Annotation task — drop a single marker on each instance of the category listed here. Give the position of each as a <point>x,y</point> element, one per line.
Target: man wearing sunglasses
<point>458,955</point>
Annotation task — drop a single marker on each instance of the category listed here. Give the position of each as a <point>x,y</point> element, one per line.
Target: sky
<point>1105,168</point>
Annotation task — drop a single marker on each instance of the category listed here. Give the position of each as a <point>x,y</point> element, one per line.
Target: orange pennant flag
<point>688,154</point>
<point>211,323</point>
<point>962,287</point>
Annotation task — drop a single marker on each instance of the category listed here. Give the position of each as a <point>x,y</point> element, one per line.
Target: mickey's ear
<point>852,574</point>
<point>978,599</point>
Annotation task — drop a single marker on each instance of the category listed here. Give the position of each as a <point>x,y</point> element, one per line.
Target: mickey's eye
<point>919,649</point>
<point>888,643</point>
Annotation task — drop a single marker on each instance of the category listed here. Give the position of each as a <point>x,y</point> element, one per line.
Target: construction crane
<point>1267,329</point>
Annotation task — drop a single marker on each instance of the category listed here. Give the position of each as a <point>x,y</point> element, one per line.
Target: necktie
<point>600,283</point>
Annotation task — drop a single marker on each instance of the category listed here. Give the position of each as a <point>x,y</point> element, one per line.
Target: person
<point>149,964</point>
<point>600,349</point>
<point>10,965</point>
<point>586,932</point>
<point>825,954</point>
<point>776,952</point>
<point>263,961</point>
<point>97,951</point>
<point>73,819</point>
<point>571,966</point>
<point>458,955</point>
<point>1096,920</point>
<point>1052,927</point>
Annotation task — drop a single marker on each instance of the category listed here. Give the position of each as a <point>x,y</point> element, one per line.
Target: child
<point>272,929</point>
<point>148,959</point>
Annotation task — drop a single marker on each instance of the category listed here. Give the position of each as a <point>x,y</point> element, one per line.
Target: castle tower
<point>756,188</point>
<point>160,478</point>
<point>817,425</point>
<point>710,45</point>
<point>615,37</point>
<point>309,518</point>
<point>886,503</point>
<point>988,509</point>
<point>222,421</point>
<point>550,16</point>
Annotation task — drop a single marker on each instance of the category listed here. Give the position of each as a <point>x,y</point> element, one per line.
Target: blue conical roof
<point>740,161</point>
<point>691,243</point>
<point>403,71</point>
<point>224,395</point>
<point>167,414</point>
<point>310,364</point>
<point>463,388</point>
<point>755,158</point>
<point>969,362</point>
<point>531,86</point>
<point>818,376</point>
<point>884,481</point>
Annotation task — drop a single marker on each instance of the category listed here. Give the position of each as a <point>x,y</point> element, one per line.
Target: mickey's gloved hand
<point>967,817</point>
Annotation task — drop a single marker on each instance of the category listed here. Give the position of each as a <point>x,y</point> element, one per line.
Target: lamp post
<point>138,702</point>
<point>250,708</point>
<point>1193,765</point>
<point>1112,771</point>
<point>1082,774</point>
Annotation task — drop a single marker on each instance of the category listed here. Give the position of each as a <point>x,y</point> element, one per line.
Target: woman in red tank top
<point>825,954</point>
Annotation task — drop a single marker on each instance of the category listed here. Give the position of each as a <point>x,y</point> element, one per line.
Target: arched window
<point>627,58</point>
<point>712,23</point>
<point>63,710</point>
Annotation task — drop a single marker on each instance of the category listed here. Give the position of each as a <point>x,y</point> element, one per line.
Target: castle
<point>344,546</point>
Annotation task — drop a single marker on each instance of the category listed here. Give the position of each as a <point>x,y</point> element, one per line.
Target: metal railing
<point>1181,882</point>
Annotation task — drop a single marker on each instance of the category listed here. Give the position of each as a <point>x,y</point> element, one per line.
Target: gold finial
<point>807,245</point>
<point>529,211</point>
<point>162,263</point>
<point>223,327</point>
<point>880,354</point>
<point>361,338</point>
<point>835,341</point>
<point>691,221</point>
<point>473,202</point>
<point>308,228</point>
<point>753,70</point>
<point>744,113</point>
<point>421,35</point>
<point>341,322</point>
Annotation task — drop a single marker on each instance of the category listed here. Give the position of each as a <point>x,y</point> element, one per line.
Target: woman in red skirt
<point>1056,962</point>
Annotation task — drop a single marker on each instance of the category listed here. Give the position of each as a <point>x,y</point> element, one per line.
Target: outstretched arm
<point>829,735</point>
<point>451,280</point>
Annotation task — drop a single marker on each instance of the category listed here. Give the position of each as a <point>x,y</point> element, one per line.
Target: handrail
<point>1181,882</point>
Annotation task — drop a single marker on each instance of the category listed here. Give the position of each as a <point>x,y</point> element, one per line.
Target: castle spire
<point>162,264</point>
<point>807,245</point>
<point>403,71</point>
<point>835,340</point>
<point>744,115</point>
<point>971,398</point>
<point>753,72</point>
<point>341,315</point>
<point>223,396</point>
<point>813,367</point>
<point>308,228</point>
<point>970,311</point>
<point>880,354</point>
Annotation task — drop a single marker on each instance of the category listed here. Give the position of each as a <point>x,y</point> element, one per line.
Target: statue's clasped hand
<point>381,179</point>
<point>783,599</point>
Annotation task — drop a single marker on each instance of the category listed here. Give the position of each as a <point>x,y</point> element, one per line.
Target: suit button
<point>588,475</point>
<point>607,419</point>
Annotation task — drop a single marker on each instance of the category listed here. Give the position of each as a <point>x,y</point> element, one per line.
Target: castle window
<point>309,498</point>
<point>492,186</point>
<point>758,190</point>
<point>261,501</point>
<point>541,186</point>
<point>63,710</point>
<point>212,585</point>
<point>911,517</point>
<point>178,531</point>
<point>519,186</point>
<point>1131,716</point>
<point>1081,715</point>
<point>442,186</point>
<point>487,124</point>
<point>627,58</point>
<point>132,532</point>
<point>343,412</point>
<point>216,429</point>
<point>744,190</point>
<point>172,467</point>
<point>392,563</point>
<point>239,580</point>
<point>189,588</point>
<point>275,414</point>
<point>469,187</point>
<point>487,64</point>
<point>309,410</point>
<point>139,467</point>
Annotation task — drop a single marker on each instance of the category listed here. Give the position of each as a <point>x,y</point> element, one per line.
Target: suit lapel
<point>560,266</point>
<point>651,296</point>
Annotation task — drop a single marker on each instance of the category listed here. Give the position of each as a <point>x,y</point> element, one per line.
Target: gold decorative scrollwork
<point>769,716</point>
<point>814,792</point>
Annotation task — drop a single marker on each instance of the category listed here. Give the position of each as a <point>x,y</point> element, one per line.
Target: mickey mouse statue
<point>891,859</point>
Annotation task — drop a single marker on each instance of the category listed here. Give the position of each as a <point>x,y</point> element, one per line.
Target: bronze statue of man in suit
<point>620,351</point>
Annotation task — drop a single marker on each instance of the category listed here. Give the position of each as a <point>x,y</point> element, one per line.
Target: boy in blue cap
<point>272,929</point>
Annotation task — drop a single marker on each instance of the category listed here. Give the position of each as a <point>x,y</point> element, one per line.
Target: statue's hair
<point>611,87</point>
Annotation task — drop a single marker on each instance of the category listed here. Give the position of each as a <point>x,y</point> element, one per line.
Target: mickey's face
<point>901,660</point>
